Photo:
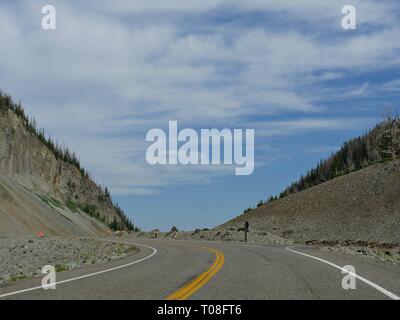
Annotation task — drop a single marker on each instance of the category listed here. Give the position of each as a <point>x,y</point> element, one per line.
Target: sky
<point>112,70</point>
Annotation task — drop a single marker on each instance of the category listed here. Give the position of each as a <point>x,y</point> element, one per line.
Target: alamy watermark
<point>187,147</point>
<point>49,19</point>
<point>349,280</point>
<point>49,280</point>
<point>349,20</point>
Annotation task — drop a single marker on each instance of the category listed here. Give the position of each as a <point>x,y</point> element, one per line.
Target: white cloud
<point>359,91</point>
<point>393,85</point>
<point>369,11</point>
<point>291,127</point>
<point>99,82</point>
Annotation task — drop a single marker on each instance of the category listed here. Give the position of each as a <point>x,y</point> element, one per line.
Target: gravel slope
<point>23,212</point>
<point>22,258</point>
<point>360,206</point>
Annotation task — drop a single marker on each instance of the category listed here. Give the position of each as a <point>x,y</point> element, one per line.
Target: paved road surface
<point>213,270</point>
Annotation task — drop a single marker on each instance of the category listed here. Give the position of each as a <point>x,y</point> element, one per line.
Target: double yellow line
<point>190,288</point>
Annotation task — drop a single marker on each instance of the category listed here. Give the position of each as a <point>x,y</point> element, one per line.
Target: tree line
<point>380,144</point>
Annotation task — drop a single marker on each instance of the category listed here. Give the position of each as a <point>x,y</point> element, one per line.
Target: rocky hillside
<point>352,196</point>
<point>382,143</point>
<point>43,186</point>
<point>359,207</point>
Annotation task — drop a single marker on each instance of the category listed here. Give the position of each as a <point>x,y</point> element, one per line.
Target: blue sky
<point>115,69</point>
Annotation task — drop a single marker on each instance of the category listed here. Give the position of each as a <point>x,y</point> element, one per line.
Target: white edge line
<point>90,274</point>
<point>370,283</point>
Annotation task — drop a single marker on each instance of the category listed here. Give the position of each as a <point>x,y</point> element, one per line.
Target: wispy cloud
<point>298,126</point>
<point>115,69</point>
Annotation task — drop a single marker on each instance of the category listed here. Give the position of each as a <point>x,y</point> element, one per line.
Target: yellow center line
<point>190,288</point>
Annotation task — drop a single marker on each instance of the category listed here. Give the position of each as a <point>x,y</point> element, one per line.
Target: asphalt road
<point>214,270</point>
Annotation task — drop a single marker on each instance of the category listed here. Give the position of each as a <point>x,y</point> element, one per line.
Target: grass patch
<point>56,203</point>
<point>44,199</point>
<point>18,277</point>
<point>60,268</point>
<point>89,209</point>
<point>131,249</point>
<point>51,202</point>
<point>72,205</point>
<point>287,233</point>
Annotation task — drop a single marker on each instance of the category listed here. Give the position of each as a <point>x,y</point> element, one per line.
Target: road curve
<point>219,270</point>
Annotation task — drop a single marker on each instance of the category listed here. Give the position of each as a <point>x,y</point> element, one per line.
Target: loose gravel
<point>22,258</point>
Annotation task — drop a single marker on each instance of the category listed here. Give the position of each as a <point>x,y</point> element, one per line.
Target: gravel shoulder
<point>379,251</point>
<point>390,255</point>
<point>24,257</point>
<point>253,236</point>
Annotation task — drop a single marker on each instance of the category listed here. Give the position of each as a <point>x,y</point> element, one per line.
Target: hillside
<point>382,143</point>
<point>354,195</point>
<point>44,188</point>
<point>362,205</point>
